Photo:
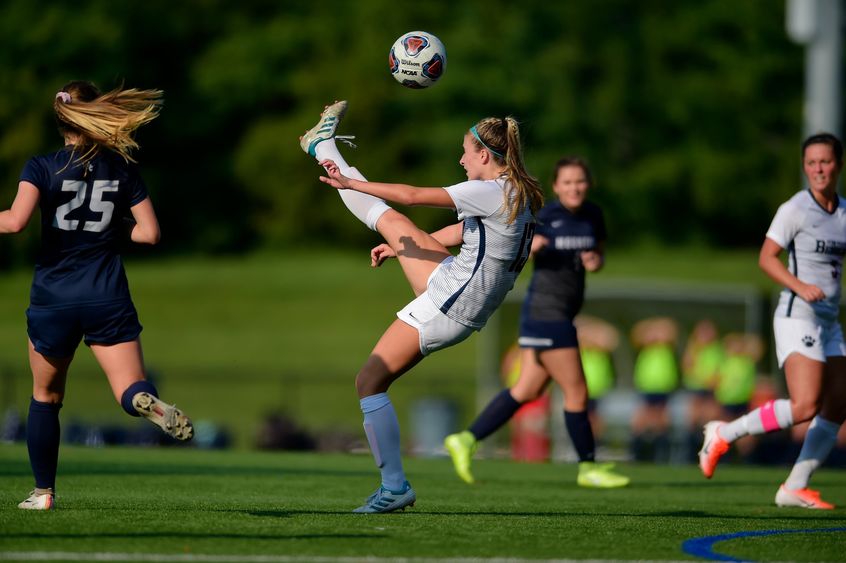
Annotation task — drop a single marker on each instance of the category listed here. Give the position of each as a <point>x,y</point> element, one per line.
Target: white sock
<point>820,439</point>
<point>771,416</point>
<point>382,429</point>
<point>365,207</point>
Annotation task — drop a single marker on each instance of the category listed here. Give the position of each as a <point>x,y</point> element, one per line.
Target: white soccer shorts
<point>816,340</point>
<point>436,330</point>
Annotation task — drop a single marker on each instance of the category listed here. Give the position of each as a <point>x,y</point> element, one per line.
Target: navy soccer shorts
<point>546,335</point>
<point>56,333</point>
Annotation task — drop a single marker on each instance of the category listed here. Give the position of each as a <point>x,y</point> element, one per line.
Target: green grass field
<point>188,505</point>
<point>287,332</point>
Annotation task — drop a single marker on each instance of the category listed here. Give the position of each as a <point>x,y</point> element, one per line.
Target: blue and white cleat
<point>325,128</point>
<point>385,500</point>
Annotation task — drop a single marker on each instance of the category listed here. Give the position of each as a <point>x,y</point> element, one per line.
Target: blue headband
<point>478,138</point>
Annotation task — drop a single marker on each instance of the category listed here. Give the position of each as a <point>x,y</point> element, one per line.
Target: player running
<point>85,192</point>
<point>809,340</point>
<point>455,294</point>
<point>570,240</point>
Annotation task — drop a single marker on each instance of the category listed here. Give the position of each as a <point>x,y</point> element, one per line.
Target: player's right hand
<point>334,178</point>
<point>381,253</point>
<point>811,293</point>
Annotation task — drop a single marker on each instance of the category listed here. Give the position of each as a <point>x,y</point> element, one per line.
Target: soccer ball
<point>417,59</point>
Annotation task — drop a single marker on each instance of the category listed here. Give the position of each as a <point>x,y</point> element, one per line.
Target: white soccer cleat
<point>803,498</point>
<point>165,416</point>
<point>39,499</point>
<point>325,128</point>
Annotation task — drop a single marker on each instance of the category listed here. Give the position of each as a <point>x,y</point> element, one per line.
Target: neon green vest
<point>705,370</point>
<point>737,380</point>
<point>656,369</point>
<point>599,372</point>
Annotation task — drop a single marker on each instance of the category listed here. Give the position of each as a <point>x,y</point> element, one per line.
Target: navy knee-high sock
<point>42,441</point>
<point>498,412</point>
<point>142,386</point>
<point>581,434</point>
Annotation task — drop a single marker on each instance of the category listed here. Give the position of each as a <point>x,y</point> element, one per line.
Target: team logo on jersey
<point>834,247</point>
<point>809,340</point>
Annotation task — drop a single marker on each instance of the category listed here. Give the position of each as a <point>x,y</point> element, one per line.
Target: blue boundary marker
<point>703,547</point>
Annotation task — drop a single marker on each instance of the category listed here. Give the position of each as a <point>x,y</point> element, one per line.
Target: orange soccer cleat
<point>713,448</point>
<point>803,498</point>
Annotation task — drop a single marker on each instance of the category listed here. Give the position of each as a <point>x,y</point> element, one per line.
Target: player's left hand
<point>380,253</point>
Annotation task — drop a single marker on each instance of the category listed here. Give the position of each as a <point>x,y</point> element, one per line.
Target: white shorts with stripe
<point>816,340</point>
<point>436,330</point>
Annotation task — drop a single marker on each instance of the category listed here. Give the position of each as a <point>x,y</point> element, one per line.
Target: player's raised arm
<point>403,194</point>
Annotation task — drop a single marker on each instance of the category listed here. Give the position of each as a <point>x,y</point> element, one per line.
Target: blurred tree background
<point>689,111</point>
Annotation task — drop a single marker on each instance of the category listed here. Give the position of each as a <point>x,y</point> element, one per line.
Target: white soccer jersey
<point>471,287</point>
<point>816,242</point>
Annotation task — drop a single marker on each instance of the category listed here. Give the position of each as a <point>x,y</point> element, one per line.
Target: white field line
<point>210,558</point>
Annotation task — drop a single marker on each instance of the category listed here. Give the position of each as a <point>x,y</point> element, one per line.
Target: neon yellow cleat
<point>461,448</point>
<point>600,476</point>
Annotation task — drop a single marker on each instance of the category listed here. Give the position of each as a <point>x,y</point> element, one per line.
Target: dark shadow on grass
<point>699,514</point>
<point>67,469</point>
<point>290,513</point>
<point>194,535</point>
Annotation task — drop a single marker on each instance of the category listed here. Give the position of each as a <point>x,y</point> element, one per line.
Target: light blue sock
<point>382,429</point>
<point>820,439</point>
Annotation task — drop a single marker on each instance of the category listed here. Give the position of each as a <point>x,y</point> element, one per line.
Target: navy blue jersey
<point>557,289</point>
<point>81,227</point>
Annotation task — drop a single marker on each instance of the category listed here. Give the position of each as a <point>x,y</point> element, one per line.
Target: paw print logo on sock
<point>808,340</point>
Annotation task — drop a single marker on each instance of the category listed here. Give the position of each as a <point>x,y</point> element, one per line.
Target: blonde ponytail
<point>104,120</point>
<point>501,136</point>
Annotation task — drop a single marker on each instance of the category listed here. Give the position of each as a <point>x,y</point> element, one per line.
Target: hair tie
<point>64,96</point>
<point>478,138</point>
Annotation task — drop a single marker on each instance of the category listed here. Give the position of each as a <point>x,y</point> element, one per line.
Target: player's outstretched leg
<point>319,142</point>
<point>385,500</point>
<point>461,447</point>
<point>325,128</point>
<point>713,448</point>
<point>39,499</point>
<point>170,419</point>
<point>803,498</point>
